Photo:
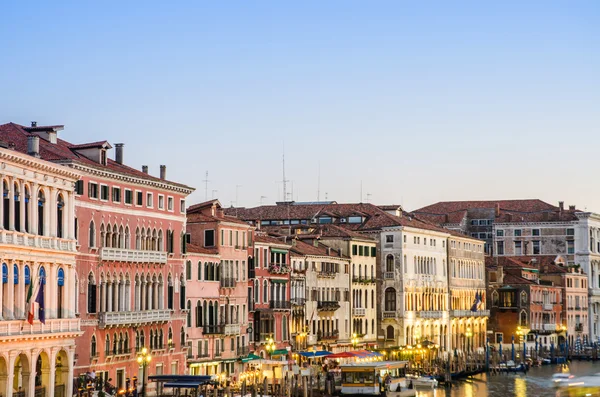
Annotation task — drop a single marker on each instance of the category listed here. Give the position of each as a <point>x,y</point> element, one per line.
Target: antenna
<point>361,196</point>
<point>326,196</point>
<point>292,194</point>
<point>206,186</point>
<point>319,183</point>
<point>284,180</point>
<point>261,199</point>
<point>368,197</point>
<point>236,194</point>
<point>213,193</point>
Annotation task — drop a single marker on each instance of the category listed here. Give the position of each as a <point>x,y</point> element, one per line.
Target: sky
<point>389,102</point>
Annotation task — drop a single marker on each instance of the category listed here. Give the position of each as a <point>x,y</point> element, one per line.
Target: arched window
<point>60,293</point>
<point>40,212</point>
<point>256,291</point>
<point>265,291</point>
<point>523,318</point>
<point>93,347</point>
<point>4,273</point>
<point>126,343</point>
<point>160,247</point>
<point>170,338</point>
<point>389,263</point>
<point>27,204</point>
<point>182,336</point>
<point>92,235</point>
<point>107,345</point>
<point>138,239</point>
<point>127,238</point>
<point>91,294</point>
<point>42,275</point>
<point>199,270</point>
<point>114,348</point>
<point>60,205</point>
<point>390,333</point>
<point>390,300</point>
<point>284,328</point>
<point>188,270</point>
<point>189,314</point>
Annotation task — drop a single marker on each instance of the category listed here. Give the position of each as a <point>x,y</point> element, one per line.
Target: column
<point>2,205</point>
<point>70,215</point>
<point>50,213</point>
<point>22,206</point>
<point>29,377</point>
<point>150,297</point>
<point>102,297</point>
<point>11,204</point>
<point>143,295</point>
<point>69,385</point>
<point>21,289</point>
<point>52,373</point>
<point>109,296</point>
<point>33,209</point>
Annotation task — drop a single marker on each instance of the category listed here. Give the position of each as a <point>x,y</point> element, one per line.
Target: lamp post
<point>566,331</point>
<point>468,334</point>
<point>354,340</point>
<point>143,360</point>
<point>270,347</point>
<point>520,337</point>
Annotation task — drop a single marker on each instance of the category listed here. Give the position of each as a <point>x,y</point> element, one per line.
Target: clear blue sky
<point>422,101</point>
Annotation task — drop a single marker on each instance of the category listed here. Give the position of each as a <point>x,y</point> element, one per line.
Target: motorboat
<point>428,382</point>
<point>584,385</point>
<point>561,378</point>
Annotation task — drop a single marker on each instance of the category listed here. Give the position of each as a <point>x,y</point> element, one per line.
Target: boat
<point>561,378</point>
<point>588,385</point>
<point>370,379</point>
<point>428,382</point>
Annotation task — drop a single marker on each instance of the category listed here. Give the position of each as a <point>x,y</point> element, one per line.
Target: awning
<point>251,357</point>
<point>184,385</point>
<point>279,251</point>
<point>320,353</point>
<point>341,355</point>
<point>179,378</point>
<point>279,352</point>
<point>274,362</point>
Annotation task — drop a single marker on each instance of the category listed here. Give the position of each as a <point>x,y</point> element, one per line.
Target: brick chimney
<point>497,209</point>
<point>33,145</point>
<point>163,172</point>
<point>561,205</point>
<point>571,208</point>
<point>119,152</point>
<point>145,169</point>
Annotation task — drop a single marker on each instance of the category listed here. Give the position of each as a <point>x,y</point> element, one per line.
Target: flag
<point>476,303</point>
<point>30,305</point>
<point>40,302</point>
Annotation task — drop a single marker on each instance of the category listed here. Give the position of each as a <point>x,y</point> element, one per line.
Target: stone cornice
<point>38,164</point>
<point>170,186</point>
<point>517,225</point>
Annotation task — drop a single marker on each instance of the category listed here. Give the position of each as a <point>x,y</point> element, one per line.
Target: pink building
<point>203,288</point>
<point>227,322</point>
<point>129,282</point>
<point>269,294</point>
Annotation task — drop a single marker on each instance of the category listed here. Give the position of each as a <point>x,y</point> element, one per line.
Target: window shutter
<point>182,297</point>
<point>170,297</point>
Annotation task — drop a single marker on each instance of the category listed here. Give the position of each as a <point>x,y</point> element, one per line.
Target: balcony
<point>389,314</point>
<point>363,280</point>
<point>547,306</point>
<point>243,351</point>
<point>280,305</point>
<point>298,312</point>
<point>279,268</point>
<point>388,275</point>
<point>298,301</point>
<point>327,335</point>
<point>325,274</point>
<point>213,329</point>
<point>549,327</point>
<point>327,306</point>
<point>232,329</point>
<point>116,319</point>
<point>34,241</point>
<point>578,327</point>
<point>359,311</point>
<point>469,313</point>
<point>9,329</point>
<point>133,256</point>
<point>430,314</point>
<point>227,282</point>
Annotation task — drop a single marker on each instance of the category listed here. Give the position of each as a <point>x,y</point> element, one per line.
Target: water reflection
<point>537,383</point>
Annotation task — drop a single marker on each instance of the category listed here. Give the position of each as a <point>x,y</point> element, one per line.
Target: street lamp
<point>354,340</point>
<point>520,336</point>
<point>143,360</point>
<point>270,346</point>
<point>469,334</point>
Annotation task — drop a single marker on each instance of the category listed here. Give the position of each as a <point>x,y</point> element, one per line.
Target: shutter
<point>184,243</point>
<point>89,189</point>
<point>170,297</point>
<point>182,297</point>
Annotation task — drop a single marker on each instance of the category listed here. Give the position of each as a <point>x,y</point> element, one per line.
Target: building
<point>519,297</point>
<point>208,227</point>
<point>269,297</point>
<point>37,240</point>
<point>129,227</point>
<point>202,284</point>
<point>327,305</point>
<point>467,290</point>
<point>299,324</point>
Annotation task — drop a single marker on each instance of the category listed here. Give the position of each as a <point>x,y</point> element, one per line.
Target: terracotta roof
<point>513,279</point>
<point>338,231</point>
<point>200,217</point>
<point>390,207</point>
<point>376,218</point>
<point>302,248</point>
<point>64,151</point>
<point>263,238</point>
<point>204,204</point>
<point>196,249</point>
<point>91,145</point>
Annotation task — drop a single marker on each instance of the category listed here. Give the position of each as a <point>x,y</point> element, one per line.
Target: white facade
<point>415,286</point>
<point>37,229</point>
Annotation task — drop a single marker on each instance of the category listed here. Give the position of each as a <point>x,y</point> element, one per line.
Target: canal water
<point>537,383</point>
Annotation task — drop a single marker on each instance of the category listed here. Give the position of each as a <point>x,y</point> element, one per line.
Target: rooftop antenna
<point>261,199</point>
<point>325,196</point>
<point>213,192</point>
<point>292,194</point>
<point>319,183</point>
<point>206,186</point>
<point>284,180</point>
<point>236,194</point>
<point>368,197</point>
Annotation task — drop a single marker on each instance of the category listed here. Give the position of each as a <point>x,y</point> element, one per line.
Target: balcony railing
<point>280,305</point>
<point>232,329</point>
<point>327,335</point>
<point>133,256</point>
<point>549,327</point>
<point>227,282</point>
<point>578,327</point>
<point>13,328</point>
<point>359,311</point>
<point>469,313</point>
<point>547,306</point>
<point>328,305</point>
<point>298,301</point>
<point>298,312</point>
<point>279,268</point>
<point>430,314</point>
<point>388,275</point>
<point>326,274</point>
<point>213,329</point>
<point>115,319</point>
<point>243,351</point>
<point>30,240</point>
<point>389,314</point>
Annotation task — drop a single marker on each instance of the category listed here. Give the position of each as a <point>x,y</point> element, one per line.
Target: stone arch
<point>42,371</point>
<point>3,370</point>
<point>62,366</point>
<point>22,373</point>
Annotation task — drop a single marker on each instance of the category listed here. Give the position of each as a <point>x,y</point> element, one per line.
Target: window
<point>161,202</point>
<point>354,249</point>
<point>389,238</point>
<point>92,190</point>
<point>518,248</point>
<point>140,198</point>
<point>517,232</point>
<point>373,252</point>
<point>128,196</point>
<point>360,250</point>
<point>482,222</point>
<point>570,232</point>
<point>570,247</point>
<point>500,232</point>
<point>79,187</point>
<point>182,206</point>
<point>536,247</point>
<point>170,204</point>
<point>499,247</point>
<point>188,270</point>
<point>116,194</point>
<point>149,200</point>
<point>535,232</point>
<point>103,192</point>
<point>390,300</point>
<point>209,238</point>
<point>354,219</point>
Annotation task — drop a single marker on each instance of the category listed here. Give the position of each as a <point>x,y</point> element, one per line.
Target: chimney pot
<point>119,152</point>
<point>34,123</point>
<point>571,208</point>
<point>145,169</point>
<point>497,209</point>
<point>163,172</point>
<point>561,205</point>
<point>33,146</point>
